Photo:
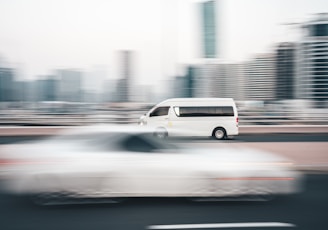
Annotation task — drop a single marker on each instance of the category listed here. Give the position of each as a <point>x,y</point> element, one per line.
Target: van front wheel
<point>219,133</point>
<point>161,133</point>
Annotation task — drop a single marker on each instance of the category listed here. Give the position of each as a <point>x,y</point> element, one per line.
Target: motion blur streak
<point>7,162</point>
<point>223,225</point>
<point>129,161</point>
<point>257,178</point>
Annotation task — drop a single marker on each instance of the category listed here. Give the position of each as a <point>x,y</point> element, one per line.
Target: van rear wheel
<point>219,133</point>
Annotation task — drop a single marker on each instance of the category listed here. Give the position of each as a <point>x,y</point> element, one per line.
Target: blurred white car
<point>115,162</point>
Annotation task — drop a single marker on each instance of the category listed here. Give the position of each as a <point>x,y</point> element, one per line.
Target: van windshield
<point>160,111</point>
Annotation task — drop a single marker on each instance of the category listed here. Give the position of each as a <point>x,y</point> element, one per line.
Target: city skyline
<point>40,36</point>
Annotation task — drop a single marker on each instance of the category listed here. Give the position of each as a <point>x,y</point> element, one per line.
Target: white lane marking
<point>222,225</point>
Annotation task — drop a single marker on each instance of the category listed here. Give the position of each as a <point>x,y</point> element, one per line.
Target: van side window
<point>177,110</point>
<point>160,111</point>
<point>204,111</point>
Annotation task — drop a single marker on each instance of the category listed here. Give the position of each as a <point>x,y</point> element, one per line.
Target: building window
<point>320,30</point>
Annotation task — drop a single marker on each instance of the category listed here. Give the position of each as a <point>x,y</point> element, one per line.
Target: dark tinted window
<point>321,60</point>
<point>320,30</point>
<point>320,64</point>
<point>208,111</point>
<point>160,111</point>
<point>318,55</point>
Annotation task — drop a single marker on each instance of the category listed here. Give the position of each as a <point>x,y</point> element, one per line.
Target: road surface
<point>308,151</point>
<point>307,210</point>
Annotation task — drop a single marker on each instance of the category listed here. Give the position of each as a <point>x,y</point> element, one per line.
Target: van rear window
<point>204,111</point>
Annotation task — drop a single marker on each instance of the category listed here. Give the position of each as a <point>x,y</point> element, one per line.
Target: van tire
<point>161,133</point>
<point>219,133</point>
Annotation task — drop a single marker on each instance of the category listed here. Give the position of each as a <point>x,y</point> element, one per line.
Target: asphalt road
<point>307,151</point>
<point>273,137</point>
<point>307,210</point>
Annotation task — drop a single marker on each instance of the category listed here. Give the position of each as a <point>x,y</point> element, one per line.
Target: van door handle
<point>165,118</point>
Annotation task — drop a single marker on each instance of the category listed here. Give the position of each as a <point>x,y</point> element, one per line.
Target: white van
<point>216,117</point>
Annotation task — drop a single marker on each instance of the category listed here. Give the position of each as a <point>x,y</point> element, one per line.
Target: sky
<point>39,36</point>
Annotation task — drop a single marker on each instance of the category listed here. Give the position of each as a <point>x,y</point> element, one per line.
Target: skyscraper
<point>312,67</point>
<point>124,84</point>
<point>47,88</point>
<point>209,31</point>
<point>70,82</point>
<point>6,84</point>
<point>220,80</point>
<point>204,73</point>
<point>260,78</point>
<point>285,71</point>
<point>230,81</point>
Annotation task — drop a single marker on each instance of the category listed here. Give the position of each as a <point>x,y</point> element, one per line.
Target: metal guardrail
<point>128,115</point>
<point>127,119</point>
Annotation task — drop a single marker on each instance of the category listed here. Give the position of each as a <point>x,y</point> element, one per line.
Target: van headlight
<point>142,122</point>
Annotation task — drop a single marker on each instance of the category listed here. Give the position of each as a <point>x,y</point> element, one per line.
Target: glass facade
<point>285,71</point>
<point>209,29</point>
<point>312,77</point>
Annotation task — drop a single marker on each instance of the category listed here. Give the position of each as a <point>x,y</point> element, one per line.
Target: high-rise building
<point>27,91</point>
<point>47,88</point>
<point>208,81</point>
<point>94,85</point>
<point>204,79</point>
<point>184,86</point>
<point>231,81</point>
<point>260,83</point>
<point>7,84</point>
<point>285,71</point>
<point>190,81</point>
<point>220,80</point>
<point>109,90</point>
<point>70,82</point>
<point>312,65</point>
<point>209,31</point>
<point>142,93</point>
<point>179,87</point>
<point>124,84</point>
<point>122,90</point>
<point>214,78</point>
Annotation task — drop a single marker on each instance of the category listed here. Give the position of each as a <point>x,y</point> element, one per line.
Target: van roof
<point>198,99</point>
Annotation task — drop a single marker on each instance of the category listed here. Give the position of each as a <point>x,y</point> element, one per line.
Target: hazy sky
<point>38,36</point>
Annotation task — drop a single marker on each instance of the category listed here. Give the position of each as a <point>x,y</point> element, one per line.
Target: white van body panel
<point>193,125</point>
